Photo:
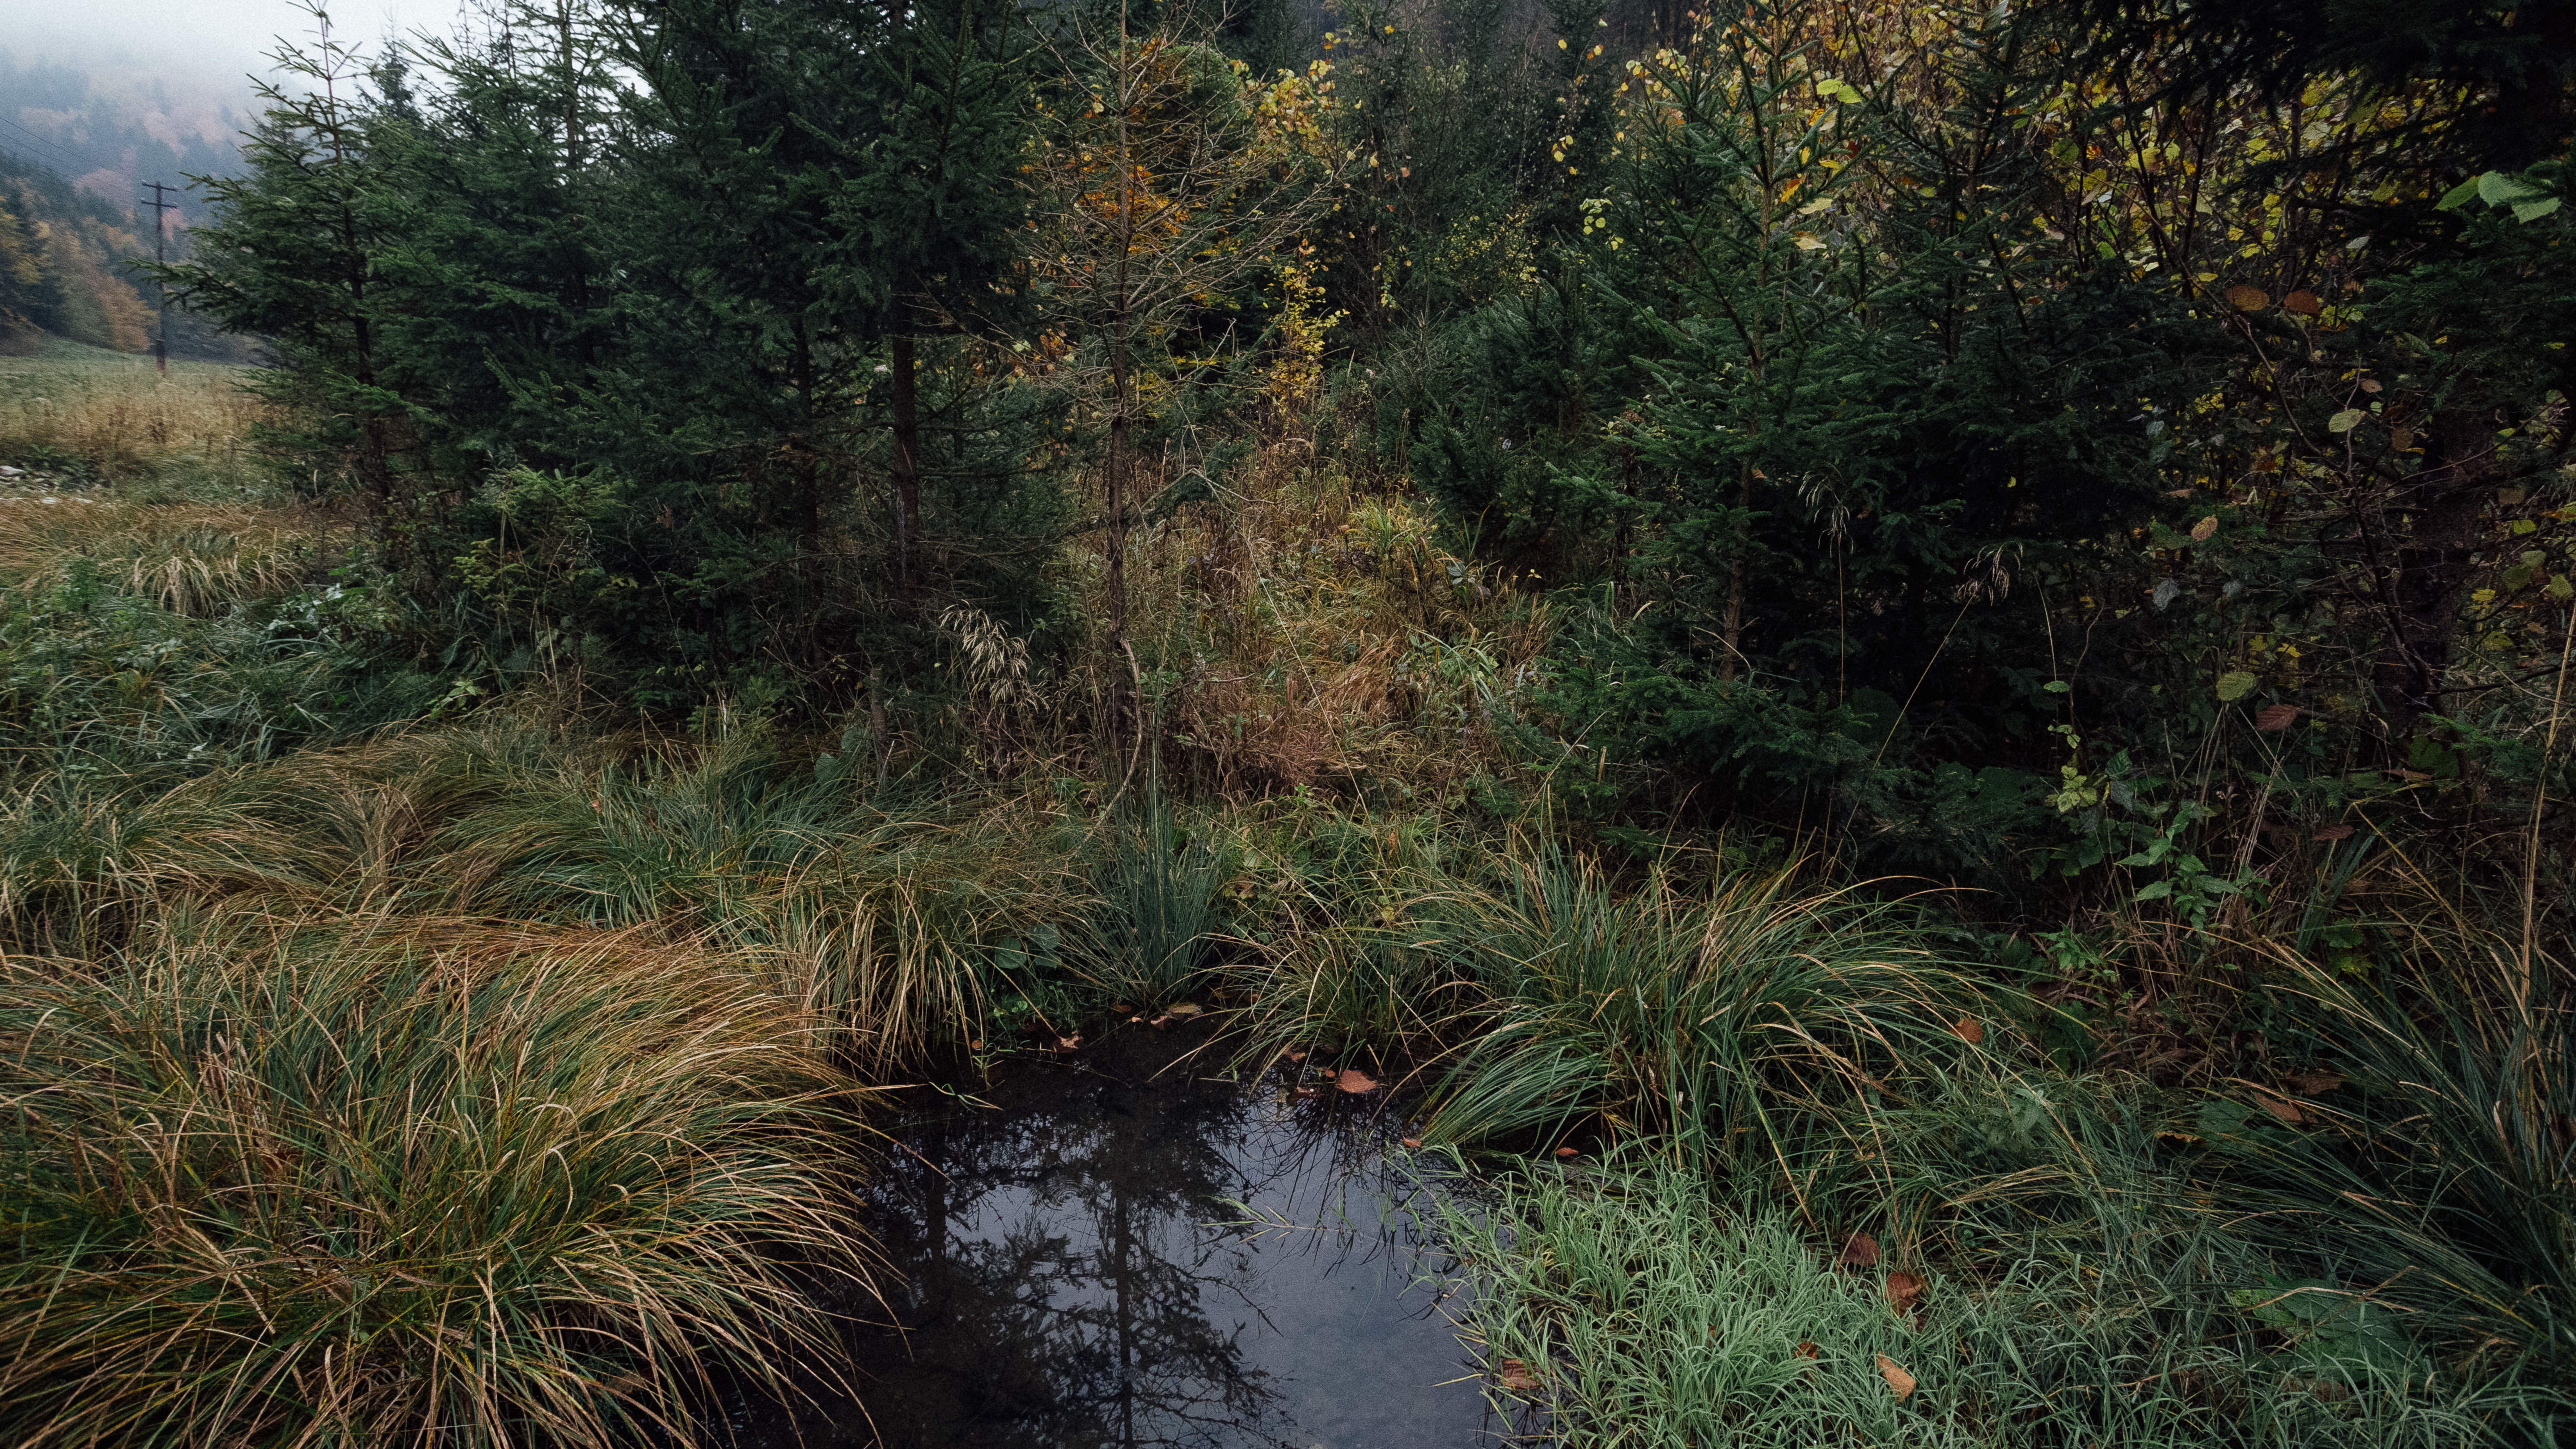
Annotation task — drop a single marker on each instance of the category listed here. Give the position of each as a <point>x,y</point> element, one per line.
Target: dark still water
<point>1069,1267</point>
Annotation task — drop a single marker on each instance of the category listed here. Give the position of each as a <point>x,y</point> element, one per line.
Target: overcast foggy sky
<point>209,41</point>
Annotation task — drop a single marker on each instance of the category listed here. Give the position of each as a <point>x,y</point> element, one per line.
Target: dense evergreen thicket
<point>2006,441</point>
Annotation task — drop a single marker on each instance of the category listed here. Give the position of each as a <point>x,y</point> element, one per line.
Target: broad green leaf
<point>2234,685</point>
<point>2458,196</point>
<point>2345,421</point>
<point>2495,189</point>
<point>2534,210</point>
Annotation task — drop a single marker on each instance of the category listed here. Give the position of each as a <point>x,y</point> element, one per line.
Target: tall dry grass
<point>377,1180</point>
<point>118,418</point>
<point>1308,627</point>
<point>189,558</point>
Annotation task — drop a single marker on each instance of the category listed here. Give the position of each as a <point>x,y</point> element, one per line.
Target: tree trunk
<point>2422,594</point>
<point>1732,629</point>
<point>907,462</point>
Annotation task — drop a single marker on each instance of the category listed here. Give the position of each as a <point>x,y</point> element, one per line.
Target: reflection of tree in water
<point>1061,1275</point>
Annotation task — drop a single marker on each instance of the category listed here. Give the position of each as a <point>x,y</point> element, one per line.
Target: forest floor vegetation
<point>504,1066</point>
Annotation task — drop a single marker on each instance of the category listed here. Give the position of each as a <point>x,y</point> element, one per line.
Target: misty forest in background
<point>1937,633</point>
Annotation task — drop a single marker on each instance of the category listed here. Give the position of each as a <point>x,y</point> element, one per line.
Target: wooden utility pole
<point>161,203</point>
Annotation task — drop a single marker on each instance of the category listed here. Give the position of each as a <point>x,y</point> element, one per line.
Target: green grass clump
<point>1650,1311</point>
<point>408,1182</point>
<point>1717,1018</point>
<point>2446,1160</point>
<point>1160,915</point>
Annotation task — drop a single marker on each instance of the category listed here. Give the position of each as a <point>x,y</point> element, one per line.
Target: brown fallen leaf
<point>1296,1054</point>
<point>2281,1107</point>
<point>2315,1084</point>
<point>1068,1043</point>
<point>1413,1142</point>
<point>974,1046</point>
<point>1860,1250</point>
<point>1518,1378</point>
<point>1122,1008</point>
<point>2201,531</point>
<point>2276,716</point>
<point>1904,1290</point>
<point>1183,1010</point>
<point>1968,1029</point>
<point>1355,1081</point>
<point>1567,1152</point>
<point>2303,302</point>
<point>2248,299</point>
<point>1897,1378</point>
<point>1806,1347</point>
<point>2332,833</point>
<point>1307,1092</point>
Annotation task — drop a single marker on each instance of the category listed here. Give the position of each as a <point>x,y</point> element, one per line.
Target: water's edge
<point>1115,1248</point>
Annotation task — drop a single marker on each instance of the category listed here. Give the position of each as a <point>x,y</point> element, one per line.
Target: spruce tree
<point>292,256</point>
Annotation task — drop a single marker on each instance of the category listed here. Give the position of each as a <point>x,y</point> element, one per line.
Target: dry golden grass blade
<point>121,417</point>
<point>188,557</point>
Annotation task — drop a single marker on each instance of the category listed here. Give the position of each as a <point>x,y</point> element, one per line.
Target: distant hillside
<point>66,269</point>
<point>109,129</point>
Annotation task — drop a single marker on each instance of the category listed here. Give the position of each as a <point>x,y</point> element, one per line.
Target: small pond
<point>1070,1265</point>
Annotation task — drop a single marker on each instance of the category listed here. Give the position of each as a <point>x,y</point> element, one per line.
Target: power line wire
<point>68,158</point>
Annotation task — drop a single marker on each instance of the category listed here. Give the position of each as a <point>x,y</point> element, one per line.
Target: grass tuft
<point>381,1182</point>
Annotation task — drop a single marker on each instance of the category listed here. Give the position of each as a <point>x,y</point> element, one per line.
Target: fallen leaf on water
<point>1897,1378</point>
<point>1516,1376</point>
<point>1353,1080</point>
<point>1860,1250</point>
<point>1968,1029</point>
<point>1903,1290</point>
